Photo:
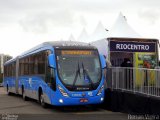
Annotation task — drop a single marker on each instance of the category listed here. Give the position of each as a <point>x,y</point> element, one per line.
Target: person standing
<point>126,63</point>
<point>128,72</point>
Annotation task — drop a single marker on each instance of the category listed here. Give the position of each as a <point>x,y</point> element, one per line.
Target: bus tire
<point>8,93</point>
<point>41,99</point>
<point>23,94</point>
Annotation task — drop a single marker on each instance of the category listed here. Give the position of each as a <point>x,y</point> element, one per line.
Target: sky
<point>26,23</point>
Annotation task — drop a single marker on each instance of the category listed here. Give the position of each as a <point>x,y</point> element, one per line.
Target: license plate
<point>83,100</point>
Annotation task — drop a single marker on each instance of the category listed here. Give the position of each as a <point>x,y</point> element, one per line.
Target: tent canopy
<point>83,37</point>
<point>122,29</point>
<point>99,32</point>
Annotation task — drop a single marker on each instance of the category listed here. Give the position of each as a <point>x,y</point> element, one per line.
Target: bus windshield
<point>79,67</point>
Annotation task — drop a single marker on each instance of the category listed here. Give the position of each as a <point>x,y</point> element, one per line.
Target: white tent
<point>71,38</point>
<point>99,32</point>
<point>83,37</point>
<point>122,29</point>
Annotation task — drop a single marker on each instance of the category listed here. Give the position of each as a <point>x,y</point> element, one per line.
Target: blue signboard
<point>118,46</point>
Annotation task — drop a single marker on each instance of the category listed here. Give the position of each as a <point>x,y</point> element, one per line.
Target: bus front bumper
<point>67,101</point>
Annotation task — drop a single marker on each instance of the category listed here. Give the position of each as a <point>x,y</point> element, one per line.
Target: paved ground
<point>14,107</point>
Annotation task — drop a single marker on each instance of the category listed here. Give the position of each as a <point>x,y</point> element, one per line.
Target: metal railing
<point>137,80</point>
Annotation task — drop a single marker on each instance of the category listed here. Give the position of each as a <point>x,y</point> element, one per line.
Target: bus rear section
<point>10,77</point>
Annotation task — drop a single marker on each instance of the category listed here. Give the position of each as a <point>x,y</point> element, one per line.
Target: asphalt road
<point>16,108</point>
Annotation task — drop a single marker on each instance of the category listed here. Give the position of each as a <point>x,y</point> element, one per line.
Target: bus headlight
<point>60,100</point>
<point>62,91</point>
<point>100,90</point>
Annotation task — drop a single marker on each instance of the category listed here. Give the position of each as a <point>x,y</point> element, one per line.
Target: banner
<point>118,46</point>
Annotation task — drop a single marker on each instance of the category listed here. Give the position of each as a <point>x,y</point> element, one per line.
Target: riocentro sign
<point>132,46</point>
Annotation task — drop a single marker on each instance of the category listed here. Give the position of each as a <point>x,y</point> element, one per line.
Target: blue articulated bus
<point>57,73</point>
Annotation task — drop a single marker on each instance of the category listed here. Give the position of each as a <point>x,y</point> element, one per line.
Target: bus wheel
<point>23,95</point>
<point>8,93</point>
<point>41,100</point>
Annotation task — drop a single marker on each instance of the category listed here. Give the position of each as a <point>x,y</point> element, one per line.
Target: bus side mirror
<point>51,60</point>
<point>103,61</point>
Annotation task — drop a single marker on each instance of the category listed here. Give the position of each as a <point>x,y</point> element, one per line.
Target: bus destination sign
<point>76,52</point>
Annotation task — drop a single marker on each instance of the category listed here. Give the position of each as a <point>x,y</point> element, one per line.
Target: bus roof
<point>67,44</point>
<point>10,61</point>
<point>61,45</point>
<point>57,45</point>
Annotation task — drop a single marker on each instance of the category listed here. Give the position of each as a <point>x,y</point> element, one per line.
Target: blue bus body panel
<point>33,83</point>
<point>10,81</point>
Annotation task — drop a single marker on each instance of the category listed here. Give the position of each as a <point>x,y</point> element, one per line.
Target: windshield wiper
<point>87,75</point>
<point>76,76</point>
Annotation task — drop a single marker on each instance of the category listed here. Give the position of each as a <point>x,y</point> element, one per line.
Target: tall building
<point>3,59</point>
